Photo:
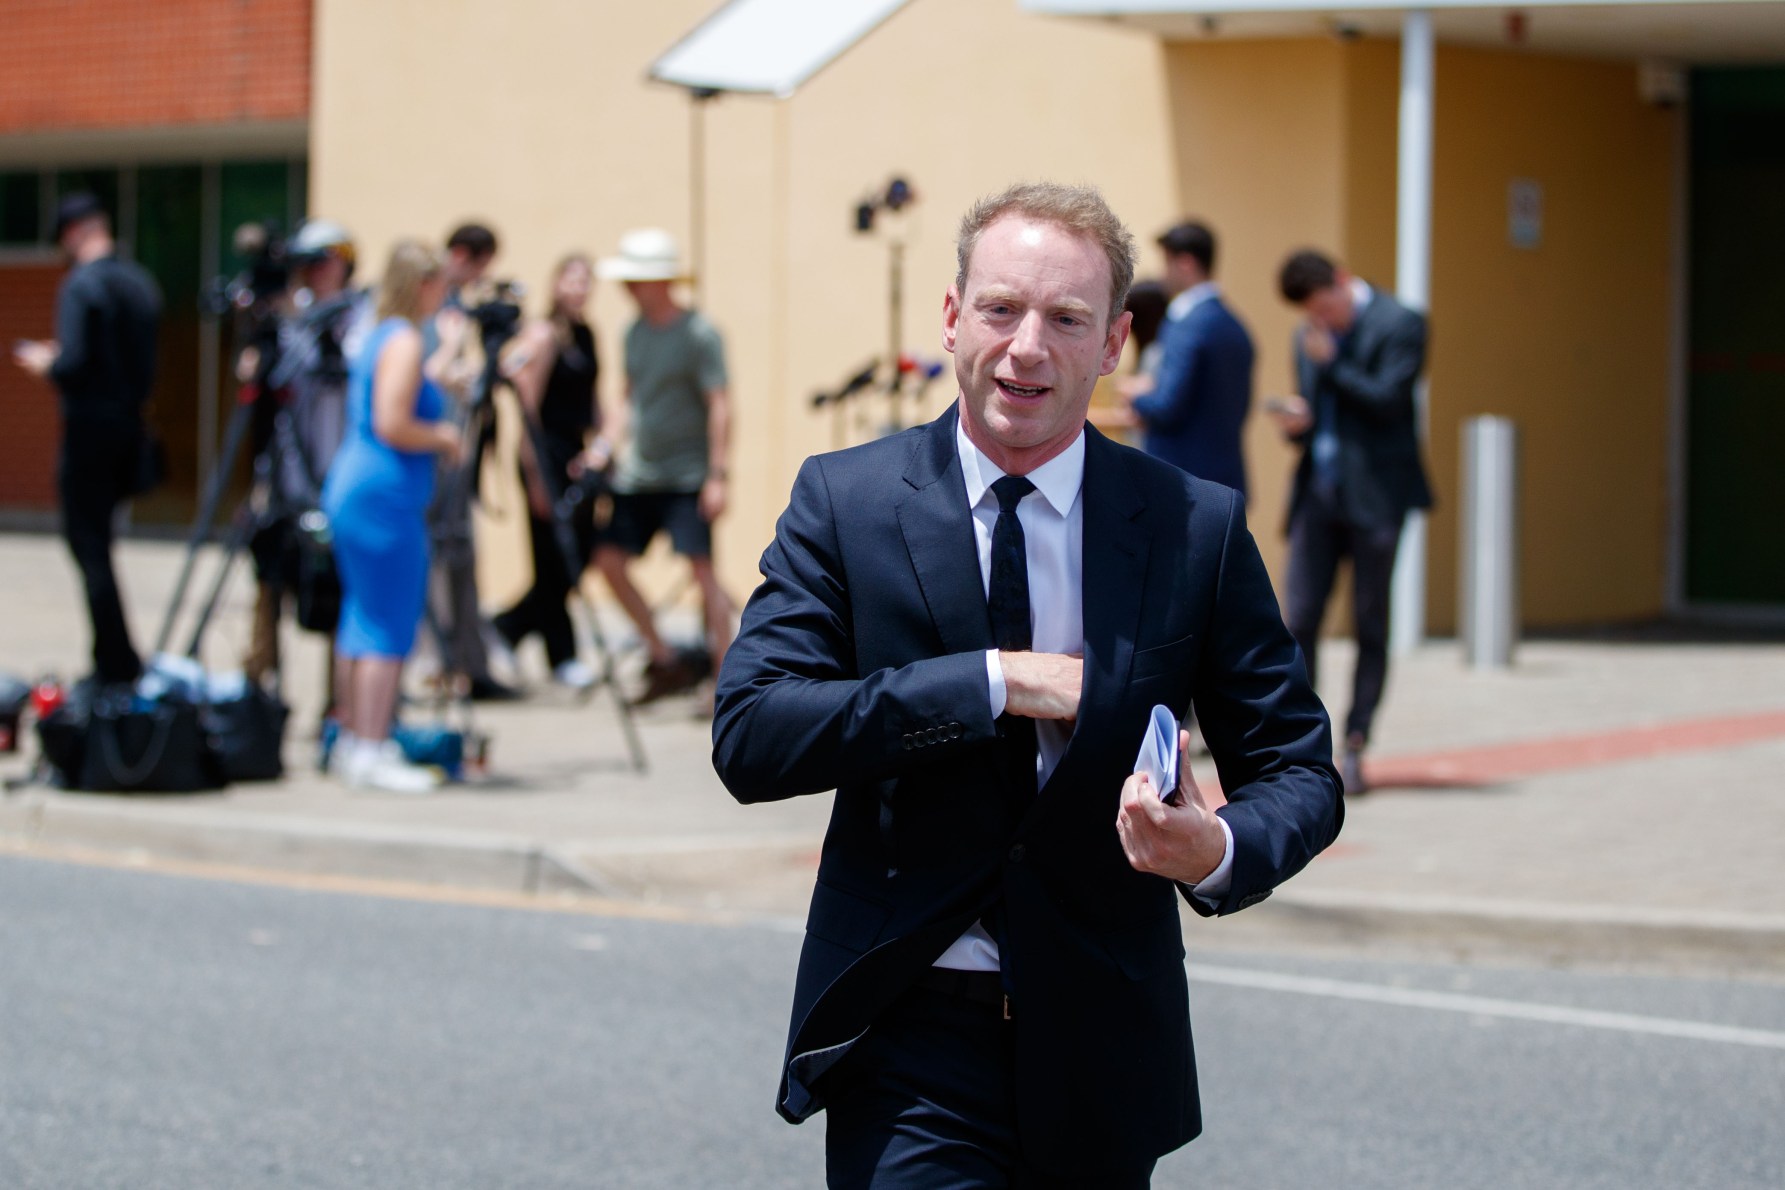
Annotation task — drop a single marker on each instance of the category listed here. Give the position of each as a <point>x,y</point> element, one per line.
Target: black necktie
<point>1007,599</point>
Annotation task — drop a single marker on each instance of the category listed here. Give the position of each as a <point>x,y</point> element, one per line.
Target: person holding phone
<point>102,363</point>
<point>1358,356</point>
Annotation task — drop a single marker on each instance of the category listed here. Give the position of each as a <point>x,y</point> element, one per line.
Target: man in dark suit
<point>1358,357</point>
<point>962,629</point>
<point>1196,406</point>
<point>102,362</point>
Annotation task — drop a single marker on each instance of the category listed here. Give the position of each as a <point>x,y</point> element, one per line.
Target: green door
<point>1735,479</point>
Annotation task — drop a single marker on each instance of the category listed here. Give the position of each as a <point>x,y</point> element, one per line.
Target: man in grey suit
<point>1358,356</point>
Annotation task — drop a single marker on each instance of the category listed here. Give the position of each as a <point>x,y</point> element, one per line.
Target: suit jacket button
<point>1017,853</point>
<point>954,731</point>
<point>909,742</point>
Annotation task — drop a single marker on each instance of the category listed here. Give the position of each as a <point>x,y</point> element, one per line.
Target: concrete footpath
<point>1611,800</point>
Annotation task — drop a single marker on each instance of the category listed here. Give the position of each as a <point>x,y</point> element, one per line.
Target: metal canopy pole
<point>1413,285</point>
<point>698,98</point>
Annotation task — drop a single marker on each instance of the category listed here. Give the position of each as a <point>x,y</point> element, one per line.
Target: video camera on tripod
<point>262,280</point>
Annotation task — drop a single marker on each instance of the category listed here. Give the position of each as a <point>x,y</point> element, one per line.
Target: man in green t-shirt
<point>671,438</point>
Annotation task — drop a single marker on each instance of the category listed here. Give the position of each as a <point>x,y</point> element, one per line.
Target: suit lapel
<point>1116,547</point>
<point>938,530</point>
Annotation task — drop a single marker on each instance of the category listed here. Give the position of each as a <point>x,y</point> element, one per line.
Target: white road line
<point>1554,1014</point>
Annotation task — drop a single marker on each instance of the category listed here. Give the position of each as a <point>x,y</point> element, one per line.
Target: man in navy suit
<point>1196,407</point>
<point>963,629</point>
<point>1358,356</point>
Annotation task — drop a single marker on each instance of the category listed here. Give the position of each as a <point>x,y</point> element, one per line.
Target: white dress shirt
<point>1053,520</point>
<point>1191,298</point>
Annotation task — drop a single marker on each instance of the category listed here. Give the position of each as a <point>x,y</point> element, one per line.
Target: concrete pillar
<point>1487,595</point>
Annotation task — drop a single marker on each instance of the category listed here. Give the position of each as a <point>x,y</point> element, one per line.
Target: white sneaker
<point>380,765</point>
<point>502,658</point>
<point>574,674</point>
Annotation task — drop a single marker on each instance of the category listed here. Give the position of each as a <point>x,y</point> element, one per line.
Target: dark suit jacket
<point>1372,379</point>
<point>860,667</point>
<point>1201,395</point>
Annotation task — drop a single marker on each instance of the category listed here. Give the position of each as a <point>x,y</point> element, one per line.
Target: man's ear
<point>951,317</point>
<point>1115,341</point>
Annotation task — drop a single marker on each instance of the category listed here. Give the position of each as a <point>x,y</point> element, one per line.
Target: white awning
<point>769,46</point>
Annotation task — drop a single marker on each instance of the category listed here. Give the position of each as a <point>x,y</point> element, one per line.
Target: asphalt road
<point>158,1031</point>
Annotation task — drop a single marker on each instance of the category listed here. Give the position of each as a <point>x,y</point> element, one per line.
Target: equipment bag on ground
<point>116,741</point>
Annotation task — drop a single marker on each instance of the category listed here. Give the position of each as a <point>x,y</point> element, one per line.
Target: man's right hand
<point>36,357</point>
<point>1042,685</point>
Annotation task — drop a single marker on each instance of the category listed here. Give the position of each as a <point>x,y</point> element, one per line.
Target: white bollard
<point>1488,619</point>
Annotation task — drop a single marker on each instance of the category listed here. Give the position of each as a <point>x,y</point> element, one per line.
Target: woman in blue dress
<point>376,498</point>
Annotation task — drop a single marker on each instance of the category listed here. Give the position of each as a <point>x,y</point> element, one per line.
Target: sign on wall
<point>1524,213</point>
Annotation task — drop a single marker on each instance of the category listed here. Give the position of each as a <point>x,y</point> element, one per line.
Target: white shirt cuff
<point>1214,886</point>
<point>994,676</point>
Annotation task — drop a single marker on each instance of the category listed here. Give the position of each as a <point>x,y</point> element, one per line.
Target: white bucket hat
<point>646,254</point>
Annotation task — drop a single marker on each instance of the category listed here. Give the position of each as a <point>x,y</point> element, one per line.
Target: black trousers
<point>1320,535</point>
<point>99,461</point>
<point>543,608</point>
<point>927,1101</point>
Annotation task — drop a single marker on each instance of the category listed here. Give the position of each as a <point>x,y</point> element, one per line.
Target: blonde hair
<point>565,263</point>
<point>412,264</point>
<point>1079,209</point>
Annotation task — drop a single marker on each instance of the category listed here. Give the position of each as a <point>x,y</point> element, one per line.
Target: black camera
<point>498,316</point>
<point>263,279</point>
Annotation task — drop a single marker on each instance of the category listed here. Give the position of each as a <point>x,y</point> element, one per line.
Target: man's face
<point>648,294</point>
<point>325,277</point>
<point>1182,271</point>
<point>465,269</point>
<point>1332,309</point>
<point>76,234</point>
<point>1030,336</point>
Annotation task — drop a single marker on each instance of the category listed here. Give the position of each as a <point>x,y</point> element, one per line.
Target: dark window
<point>21,208</point>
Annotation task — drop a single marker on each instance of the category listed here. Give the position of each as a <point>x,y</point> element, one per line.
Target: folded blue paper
<point>1158,757</point>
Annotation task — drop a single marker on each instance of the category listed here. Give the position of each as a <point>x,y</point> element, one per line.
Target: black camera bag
<point>106,743</point>
<point>248,735</point>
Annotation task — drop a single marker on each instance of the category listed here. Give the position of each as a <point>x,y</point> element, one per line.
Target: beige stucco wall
<point>1282,144</point>
<point>1570,340</point>
<point>535,116</point>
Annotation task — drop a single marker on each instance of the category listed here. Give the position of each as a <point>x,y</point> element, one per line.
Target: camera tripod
<point>259,508</point>
<point>566,502</point>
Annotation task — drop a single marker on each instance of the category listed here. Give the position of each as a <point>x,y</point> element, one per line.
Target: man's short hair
<point>1079,209</point>
<point>1304,274</point>
<point>1193,239</point>
<point>474,239</point>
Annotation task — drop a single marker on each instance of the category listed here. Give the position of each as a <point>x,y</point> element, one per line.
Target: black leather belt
<point>981,987</point>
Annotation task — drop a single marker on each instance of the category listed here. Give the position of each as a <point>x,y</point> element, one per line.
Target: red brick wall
<point>30,426</point>
<point>67,64</point>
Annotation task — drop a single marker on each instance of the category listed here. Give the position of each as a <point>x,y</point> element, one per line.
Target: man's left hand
<point>35,356</point>
<point>1180,839</point>
<point>712,499</point>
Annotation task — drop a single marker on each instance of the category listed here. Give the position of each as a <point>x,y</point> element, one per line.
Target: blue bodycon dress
<point>376,499</point>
